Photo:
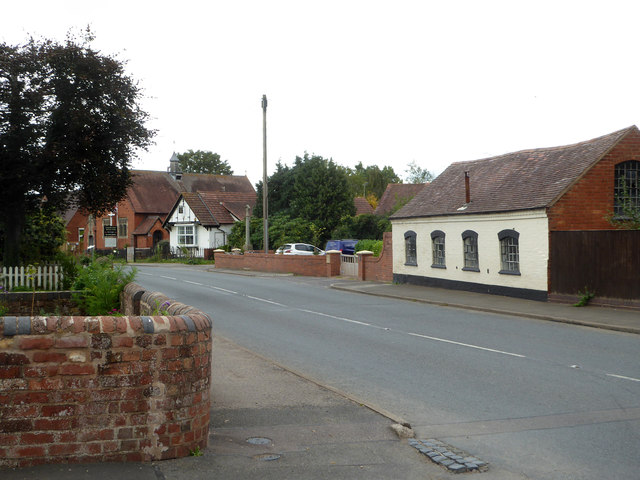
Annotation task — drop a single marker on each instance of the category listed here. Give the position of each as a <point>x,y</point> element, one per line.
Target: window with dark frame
<point>626,192</point>
<point>509,252</point>
<point>470,247</point>
<point>410,250</point>
<point>438,249</point>
<point>123,230</point>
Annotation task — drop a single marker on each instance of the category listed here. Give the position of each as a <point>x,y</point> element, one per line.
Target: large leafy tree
<point>203,162</point>
<point>371,180</point>
<point>281,193</point>
<point>417,174</point>
<point>70,125</point>
<point>321,192</point>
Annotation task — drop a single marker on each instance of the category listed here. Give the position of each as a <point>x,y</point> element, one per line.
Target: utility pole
<point>265,190</point>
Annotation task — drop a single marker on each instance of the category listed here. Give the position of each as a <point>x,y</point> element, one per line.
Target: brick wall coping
<point>11,326</point>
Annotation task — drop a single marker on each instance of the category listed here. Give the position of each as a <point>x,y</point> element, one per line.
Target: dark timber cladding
<point>607,263</point>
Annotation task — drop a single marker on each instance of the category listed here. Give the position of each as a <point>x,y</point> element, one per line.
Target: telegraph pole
<point>265,190</point>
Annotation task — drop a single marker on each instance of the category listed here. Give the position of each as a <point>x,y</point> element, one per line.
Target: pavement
<point>271,423</point>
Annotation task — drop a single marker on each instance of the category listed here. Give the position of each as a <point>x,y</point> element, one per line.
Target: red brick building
<point>137,220</point>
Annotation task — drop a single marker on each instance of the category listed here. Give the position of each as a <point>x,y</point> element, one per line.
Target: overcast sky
<point>381,82</point>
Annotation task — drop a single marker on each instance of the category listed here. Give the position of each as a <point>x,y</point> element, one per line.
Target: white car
<point>299,249</point>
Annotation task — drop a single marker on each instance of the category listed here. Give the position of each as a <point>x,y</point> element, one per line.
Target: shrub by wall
<point>95,389</point>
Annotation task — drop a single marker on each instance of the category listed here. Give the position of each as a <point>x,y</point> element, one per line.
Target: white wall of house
<point>204,237</point>
<point>532,225</point>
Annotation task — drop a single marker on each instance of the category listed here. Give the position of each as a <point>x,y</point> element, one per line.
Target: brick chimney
<point>467,188</point>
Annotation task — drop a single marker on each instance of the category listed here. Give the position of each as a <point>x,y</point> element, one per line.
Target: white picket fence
<point>46,277</point>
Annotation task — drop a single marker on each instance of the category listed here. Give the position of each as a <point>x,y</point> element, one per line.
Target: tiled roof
<point>362,206</point>
<point>200,182</point>
<point>216,208</point>
<point>156,192</point>
<point>223,204</point>
<point>200,210</point>
<point>147,224</point>
<point>396,192</point>
<point>522,180</point>
<point>152,192</point>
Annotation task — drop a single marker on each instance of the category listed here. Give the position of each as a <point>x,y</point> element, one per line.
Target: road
<point>536,399</point>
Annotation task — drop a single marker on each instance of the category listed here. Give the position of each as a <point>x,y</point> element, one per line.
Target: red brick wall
<point>586,205</point>
<point>80,389</point>
<point>309,265</point>
<point>378,269</point>
<point>375,268</point>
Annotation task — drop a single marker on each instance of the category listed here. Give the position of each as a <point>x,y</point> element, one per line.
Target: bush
<point>70,267</point>
<point>374,246</point>
<point>100,284</point>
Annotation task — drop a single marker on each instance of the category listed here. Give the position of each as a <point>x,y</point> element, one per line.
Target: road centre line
<point>338,318</point>
<point>623,377</point>
<point>223,289</point>
<point>168,278</point>
<point>466,345</point>
<point>193,283</point>
<point>265,301</point>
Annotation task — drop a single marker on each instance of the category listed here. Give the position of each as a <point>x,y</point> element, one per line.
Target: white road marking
<point>223,289</point>
<point>168,278</point>
<point>465,345</point>
<point>356,322</point>
<point>623,377</point>
<point>265,301</point>
<point>337,318</point>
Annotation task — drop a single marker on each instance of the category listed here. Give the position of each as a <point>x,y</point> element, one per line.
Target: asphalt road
<point>536,399</point>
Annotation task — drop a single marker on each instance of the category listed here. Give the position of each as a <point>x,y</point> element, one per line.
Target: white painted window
<point>186,235</point>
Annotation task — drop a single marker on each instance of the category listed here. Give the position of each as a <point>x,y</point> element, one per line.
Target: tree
<point>280,191</point>
<point>69,123</point>
<point>365,181</point>
<point>203,162</point>
<point>321,193</point>
<point>417,174</point>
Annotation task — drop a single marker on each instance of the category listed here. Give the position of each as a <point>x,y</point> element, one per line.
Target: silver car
<point>299,249</point>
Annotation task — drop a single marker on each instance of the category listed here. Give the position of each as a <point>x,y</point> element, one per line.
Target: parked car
<point>299,249</point>
<point>348,247</point>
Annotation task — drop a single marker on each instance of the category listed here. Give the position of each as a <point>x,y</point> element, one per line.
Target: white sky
<point>382,82</point>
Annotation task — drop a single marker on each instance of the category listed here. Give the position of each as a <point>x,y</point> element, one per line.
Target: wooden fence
<point>605,262</point>
<point>42,277</point>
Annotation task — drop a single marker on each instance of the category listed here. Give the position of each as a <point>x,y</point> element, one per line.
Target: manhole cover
<point>259,441</point>
<point>267,457</point>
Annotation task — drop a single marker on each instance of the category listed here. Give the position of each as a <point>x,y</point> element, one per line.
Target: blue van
<point>348,247</point>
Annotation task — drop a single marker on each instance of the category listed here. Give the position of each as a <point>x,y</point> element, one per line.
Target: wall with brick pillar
<point>378,269</point>
<point>309,265</point>
<point>95,389</point>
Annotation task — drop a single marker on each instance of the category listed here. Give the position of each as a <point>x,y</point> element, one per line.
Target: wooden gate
<point>349,266</point>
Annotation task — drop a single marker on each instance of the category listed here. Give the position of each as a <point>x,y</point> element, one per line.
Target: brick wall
<point>22,303</point>
<point>309,265</point>
<point>590,201</point>
<point>378,269</point>
<point>95,389</point>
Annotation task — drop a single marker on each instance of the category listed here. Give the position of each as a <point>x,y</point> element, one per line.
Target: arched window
<point>509,252</point>
<point>411,257</point>
<point>437,249</point>
<point>626,193</point>
<point>470,247</point>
